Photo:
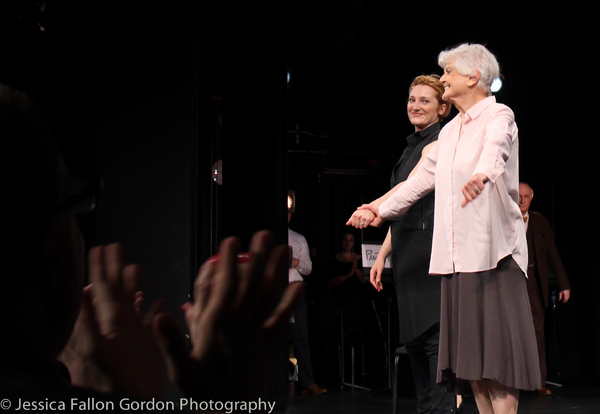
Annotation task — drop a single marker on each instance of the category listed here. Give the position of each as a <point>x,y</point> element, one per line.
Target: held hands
<point>365,216</point>
<point>237,313</point>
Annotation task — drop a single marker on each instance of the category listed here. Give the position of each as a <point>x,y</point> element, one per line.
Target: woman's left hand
<point>473,188</point>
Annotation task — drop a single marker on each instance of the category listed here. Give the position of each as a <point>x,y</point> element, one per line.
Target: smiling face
<point>423,107</point>
<point>461,90</point>
<point>455,83</point>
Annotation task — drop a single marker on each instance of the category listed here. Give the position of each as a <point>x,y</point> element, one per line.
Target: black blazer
<point>545,254</point>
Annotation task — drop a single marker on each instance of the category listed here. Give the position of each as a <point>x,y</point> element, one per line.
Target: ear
<point>442,109</point>
<point>473,79</point>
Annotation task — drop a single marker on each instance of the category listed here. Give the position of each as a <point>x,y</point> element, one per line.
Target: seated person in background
<point>346,278</point>
<point>113,351</point>
<point>348,290</point>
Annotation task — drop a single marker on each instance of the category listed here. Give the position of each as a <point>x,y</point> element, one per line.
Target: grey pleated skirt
<point>486,329</point>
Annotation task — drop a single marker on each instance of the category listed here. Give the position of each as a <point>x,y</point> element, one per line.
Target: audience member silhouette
<point>111,350</point>
<point>348,290</point>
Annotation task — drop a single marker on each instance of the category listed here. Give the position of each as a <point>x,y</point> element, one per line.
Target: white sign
<point>369,255</point>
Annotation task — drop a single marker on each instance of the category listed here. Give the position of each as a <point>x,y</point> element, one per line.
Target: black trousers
<point>422,351</point>
<point>299,334</point>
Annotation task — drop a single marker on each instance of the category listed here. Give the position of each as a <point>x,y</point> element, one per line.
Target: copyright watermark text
<point>126,404</point>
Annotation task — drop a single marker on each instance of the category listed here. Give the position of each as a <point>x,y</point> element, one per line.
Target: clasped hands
<point>368,214</point>
<point>236,314</point>
<point>365,216</point>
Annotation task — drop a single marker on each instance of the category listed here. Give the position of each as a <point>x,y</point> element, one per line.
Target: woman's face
<point>423,107</point>
<point>455,84</point>
<point>347,242</point>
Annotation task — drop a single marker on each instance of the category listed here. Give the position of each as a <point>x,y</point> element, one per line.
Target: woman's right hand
<point>361,218</point>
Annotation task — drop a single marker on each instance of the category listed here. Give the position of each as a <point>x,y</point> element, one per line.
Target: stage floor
<point>563,400</point>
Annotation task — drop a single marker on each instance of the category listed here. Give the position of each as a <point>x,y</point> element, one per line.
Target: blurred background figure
<point>346,278</point>
<point>110,349</point>
<point>544,260</point>
<point>300,266</point>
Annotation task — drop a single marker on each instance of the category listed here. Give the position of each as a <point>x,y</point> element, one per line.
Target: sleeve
<point>413,189</point>
<point>554,260</point>
<point>499,136</point>
<point>305,266</point>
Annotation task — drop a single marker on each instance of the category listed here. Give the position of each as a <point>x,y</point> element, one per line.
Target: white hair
<point>471,58</point>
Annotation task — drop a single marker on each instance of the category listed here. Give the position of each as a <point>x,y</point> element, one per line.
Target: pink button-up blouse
<point>474,238</point>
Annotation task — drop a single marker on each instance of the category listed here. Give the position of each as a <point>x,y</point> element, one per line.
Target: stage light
<point>496,85</point>
<point>291,201</point>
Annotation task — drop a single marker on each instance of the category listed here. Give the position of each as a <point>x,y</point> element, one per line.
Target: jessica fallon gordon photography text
<point>126,404</point>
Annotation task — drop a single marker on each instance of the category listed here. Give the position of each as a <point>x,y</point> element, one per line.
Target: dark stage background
<point>150,95</point>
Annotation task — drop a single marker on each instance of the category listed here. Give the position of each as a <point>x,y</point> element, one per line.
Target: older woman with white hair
<point>479,245</point>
